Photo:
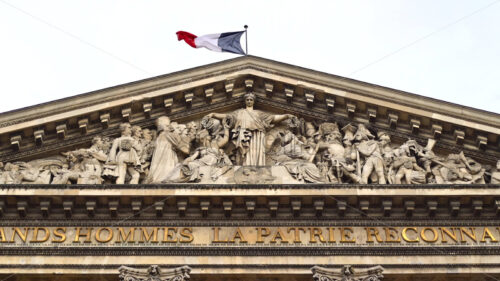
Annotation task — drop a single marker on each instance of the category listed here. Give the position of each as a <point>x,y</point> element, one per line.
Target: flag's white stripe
<point>208,41</point>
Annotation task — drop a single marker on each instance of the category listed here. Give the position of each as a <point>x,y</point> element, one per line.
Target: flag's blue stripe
<point>230,42</point>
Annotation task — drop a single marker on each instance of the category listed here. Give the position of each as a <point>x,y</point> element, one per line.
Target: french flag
<point>219,42</point>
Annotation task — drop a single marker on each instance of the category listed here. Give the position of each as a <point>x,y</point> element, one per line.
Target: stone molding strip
<point>252,251</point>
<point>195,186</point>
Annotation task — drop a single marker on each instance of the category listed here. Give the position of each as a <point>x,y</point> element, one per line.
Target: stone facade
<point>248,168</point>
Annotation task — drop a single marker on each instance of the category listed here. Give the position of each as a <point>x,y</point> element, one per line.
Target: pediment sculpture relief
<point>251,146</point>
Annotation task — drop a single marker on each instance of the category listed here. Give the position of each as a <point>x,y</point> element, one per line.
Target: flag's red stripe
<point>187,37</point>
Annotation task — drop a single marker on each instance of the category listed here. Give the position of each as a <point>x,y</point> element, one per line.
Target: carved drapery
<point>347,273</point>
<point>154,273</point>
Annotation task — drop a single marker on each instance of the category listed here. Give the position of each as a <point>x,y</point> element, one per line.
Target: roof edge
<point>375,91</point>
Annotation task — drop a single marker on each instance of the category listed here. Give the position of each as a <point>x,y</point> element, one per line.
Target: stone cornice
<point>199,204</point>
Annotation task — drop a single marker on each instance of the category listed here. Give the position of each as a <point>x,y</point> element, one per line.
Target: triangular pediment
<point>217,87</point>
<point>314,97</point>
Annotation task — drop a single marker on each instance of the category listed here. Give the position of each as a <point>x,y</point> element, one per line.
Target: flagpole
<point>246,39</point>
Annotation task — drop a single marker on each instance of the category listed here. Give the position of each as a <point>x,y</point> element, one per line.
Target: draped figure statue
<point>249,132</point>
<point>164,157</point>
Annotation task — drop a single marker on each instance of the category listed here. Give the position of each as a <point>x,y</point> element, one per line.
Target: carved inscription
<point>250,235</point>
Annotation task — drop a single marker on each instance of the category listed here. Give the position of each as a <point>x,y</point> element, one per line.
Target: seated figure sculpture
<point>298,158</point>
<point>209,153</point>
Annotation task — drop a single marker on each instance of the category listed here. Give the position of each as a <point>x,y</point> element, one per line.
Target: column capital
<point>347,273</point>
<point>154,273</point>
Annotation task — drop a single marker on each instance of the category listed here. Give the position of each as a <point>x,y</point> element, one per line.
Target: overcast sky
<point>446,49</point>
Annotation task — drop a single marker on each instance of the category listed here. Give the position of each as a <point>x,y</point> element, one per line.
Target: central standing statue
<point>249,132</point>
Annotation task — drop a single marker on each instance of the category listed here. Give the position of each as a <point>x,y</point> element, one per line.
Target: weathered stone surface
<point>250,146</point>
<point>260,144</point>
